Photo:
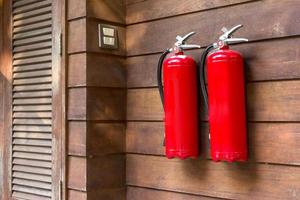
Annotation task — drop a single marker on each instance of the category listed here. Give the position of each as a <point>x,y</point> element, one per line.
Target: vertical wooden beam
<point>6,76</point>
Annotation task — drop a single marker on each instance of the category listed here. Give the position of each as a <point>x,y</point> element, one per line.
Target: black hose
<point>159,78</point>
<point>159,74</point>
<point>202,74</point>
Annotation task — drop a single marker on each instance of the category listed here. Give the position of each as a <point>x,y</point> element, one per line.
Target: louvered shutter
<point>31,175</point>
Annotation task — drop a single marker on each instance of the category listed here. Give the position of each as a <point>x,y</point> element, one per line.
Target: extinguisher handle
<point>228,33</point>
<point>190,46</point>
<point>181,40</point>
<point>235,40</point>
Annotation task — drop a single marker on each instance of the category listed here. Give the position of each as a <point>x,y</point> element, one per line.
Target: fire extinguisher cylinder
<point>226,100</point>
<point>179,96</point>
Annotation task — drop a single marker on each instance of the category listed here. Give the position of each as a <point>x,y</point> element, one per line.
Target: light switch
<point>108,36</point>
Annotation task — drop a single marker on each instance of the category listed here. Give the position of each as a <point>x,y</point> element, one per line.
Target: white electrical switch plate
<point>108,36</point>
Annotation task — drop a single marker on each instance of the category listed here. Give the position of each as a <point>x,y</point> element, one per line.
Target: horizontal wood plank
<point>77,131</point>
<point>135,193</point>
<point>262,62</point>
<point>267,101</point>
<point>268,142</point>
<point>94,139</point>
<point>76,9</point>
<point>112,10</point>
<point>76,195</point>
<point>77,174</point>
<point>156,9</point>
<point>268,22</point>
<point>97,104</point>
<point>96,70</point>
<point>223,180</point>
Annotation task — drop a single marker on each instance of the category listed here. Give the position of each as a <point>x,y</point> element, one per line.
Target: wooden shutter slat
<point>30,27</point>
<point>32,74</point>
<point>35,53</point>
<point>33,81</point>
<point>32,128</point>
<point>32,135</point>
<point>32,108</point>
<point>34,163</point>
<point>32,94</point>
<point>31,190</point>
<point>40,45</point>
<point>33,156</point>
<point>33,101</point>
<point>35,184</point>
<point>32,20</point>
<point>32,149</point>
<point>33,60</point>
<point>33,170</point>
<point>32,6</point>
<point>32,67</point>
<point>32,33</point>
<point>33,13</point>
<point>26,196</point>
<point>31,40</point>
<point>30,115</point>
<point>33,142</point>
<point>23,2</point>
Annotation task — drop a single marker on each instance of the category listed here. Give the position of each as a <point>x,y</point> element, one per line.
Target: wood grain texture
<point>105,138</point>
<point>96,70</point>
<point>266,101</point>
<point>76,195</point>
<point>274,101</point>
<point>108,10</point>
<point>106,172</point>
<point>77,103</point>
<point>135,193</point>
<point>233,181</point>
<point>77,73</point>
<point>139,11</point>
<point>76,9</point>
<point>77,174</point>
<point>107,193</point>
<point>268,142</point>
<point>77,36</point>
<point>93,139</point>
<point>106,104</point>
<point>77,138</point>
<point>262,62</point>
<point>106,71</point>
<point>268,22</point>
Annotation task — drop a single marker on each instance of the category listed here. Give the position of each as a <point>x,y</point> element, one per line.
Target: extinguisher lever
<point>182,40</point>
<point>228,33</point>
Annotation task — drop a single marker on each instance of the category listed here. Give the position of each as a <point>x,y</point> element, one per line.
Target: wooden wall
<point>96,103</point>
<point>273,94</point>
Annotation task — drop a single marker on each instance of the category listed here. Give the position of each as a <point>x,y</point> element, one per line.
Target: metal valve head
<point>181,42</point>
<point>227,36</point>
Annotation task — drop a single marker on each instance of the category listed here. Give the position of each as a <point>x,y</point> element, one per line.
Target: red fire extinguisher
<point>179,97</point>
<point>226,98</point>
